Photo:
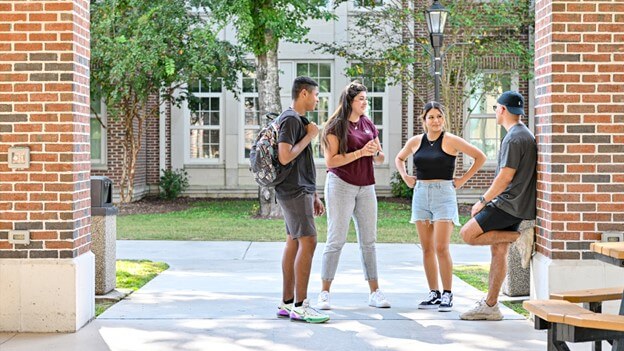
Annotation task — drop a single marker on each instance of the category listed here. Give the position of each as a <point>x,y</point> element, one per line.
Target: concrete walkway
<point>223,296</point>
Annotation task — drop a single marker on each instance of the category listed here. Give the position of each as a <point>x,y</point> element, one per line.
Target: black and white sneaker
<point>432,301</point>
<point>446,302</point>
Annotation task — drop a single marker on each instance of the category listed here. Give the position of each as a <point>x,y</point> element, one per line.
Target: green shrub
<point>399,188</point>
<point>173,183</point>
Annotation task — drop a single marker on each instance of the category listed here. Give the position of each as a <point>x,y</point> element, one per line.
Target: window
<point>321,73</point>
<point>368,3</point>
<point>98,132</point>
<point>253,120</point>
<point>481,129</point>
<point>376,92</point>
<point>205,120</point>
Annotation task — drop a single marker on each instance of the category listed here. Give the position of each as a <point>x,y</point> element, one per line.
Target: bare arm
<point>500,183</point>
<point>399,161</point>
<point>379,159</point>
<point>334,159</point>
<point>286,152</point>
<point>477,155</point>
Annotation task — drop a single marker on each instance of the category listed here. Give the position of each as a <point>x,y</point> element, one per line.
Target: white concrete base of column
<point>549,276</point>
<point>47,295</point>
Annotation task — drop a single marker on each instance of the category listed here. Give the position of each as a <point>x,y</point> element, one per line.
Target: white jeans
<point>344,201</point>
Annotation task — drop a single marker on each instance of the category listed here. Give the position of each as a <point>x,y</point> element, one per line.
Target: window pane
<point>204,144</point>
<point>252,117</point>
<point>302,69</point>
<point>325,70</point>
<point>324,85</point>
<point>96,139</point>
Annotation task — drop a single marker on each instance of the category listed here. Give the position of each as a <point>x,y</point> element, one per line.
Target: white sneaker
<point>524,243</point>
<point>322,301</point>
<point>481,311</point>
<point>377,299</point>
<point>305,313</point>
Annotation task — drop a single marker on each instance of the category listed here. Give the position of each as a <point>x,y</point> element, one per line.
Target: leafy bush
<point>173,183</point>
<point>399,188</point>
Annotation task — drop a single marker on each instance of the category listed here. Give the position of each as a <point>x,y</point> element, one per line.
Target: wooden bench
<point>567,322</point>
<point>591,299</point>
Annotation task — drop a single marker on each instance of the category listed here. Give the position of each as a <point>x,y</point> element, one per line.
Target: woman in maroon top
<point>351,145</point>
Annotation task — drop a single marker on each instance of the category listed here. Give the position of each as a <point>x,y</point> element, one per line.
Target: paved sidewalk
<point>223,296</point>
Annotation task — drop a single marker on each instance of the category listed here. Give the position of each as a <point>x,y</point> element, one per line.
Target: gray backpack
<point>263,158</point>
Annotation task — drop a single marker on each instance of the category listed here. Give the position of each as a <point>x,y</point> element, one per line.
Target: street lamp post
<point>436,20</point>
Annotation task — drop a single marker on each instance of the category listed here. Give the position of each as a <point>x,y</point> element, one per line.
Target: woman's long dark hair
<point>338,122</point>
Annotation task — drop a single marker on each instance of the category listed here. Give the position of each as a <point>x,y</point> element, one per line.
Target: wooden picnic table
<point>612,253</point>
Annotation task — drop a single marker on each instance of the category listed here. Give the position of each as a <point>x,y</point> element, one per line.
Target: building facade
<point>213,143</point>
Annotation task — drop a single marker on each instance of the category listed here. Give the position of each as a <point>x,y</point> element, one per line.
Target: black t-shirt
<point>302,177</point>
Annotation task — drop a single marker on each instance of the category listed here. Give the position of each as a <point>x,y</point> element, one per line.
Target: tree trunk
<point>267,74</point>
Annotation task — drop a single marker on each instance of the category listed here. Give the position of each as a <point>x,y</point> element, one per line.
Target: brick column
<point>46,285</point>
<point>579,111</point>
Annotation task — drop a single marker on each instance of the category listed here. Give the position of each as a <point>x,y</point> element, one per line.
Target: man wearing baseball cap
<point>497,216</point>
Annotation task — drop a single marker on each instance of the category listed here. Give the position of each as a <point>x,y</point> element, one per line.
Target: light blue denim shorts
<point>435,201</point>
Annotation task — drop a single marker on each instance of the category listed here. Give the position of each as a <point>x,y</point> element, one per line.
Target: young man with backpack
<point>297,197</point>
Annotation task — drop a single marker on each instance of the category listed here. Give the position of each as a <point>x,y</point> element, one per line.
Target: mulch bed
<point>150,205</point>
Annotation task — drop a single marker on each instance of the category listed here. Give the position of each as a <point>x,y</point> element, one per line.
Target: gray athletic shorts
<point>299,215</point>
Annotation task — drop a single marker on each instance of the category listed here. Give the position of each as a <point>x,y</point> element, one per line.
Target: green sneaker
<point>305,313</point>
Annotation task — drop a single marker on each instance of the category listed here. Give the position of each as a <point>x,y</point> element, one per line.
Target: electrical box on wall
<point>612,237</point>
<point>19,157</point>
<point>20,237</point>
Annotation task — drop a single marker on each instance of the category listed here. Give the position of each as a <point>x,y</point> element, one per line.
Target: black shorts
<point>492,218</point>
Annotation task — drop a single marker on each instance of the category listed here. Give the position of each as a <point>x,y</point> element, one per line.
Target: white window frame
<point>329,95</point>
<point>355,7</point>
<point>490,114</point>
<point>101,163</point>
<point>187,130</point>
<point>384,111</point>
<point>243,159</point>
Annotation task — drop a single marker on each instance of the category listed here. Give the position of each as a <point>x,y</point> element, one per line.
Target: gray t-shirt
<point>302,177</point>
<point>518,151</point>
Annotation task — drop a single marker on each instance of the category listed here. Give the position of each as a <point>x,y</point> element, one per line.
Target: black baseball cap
<point>513,101</point>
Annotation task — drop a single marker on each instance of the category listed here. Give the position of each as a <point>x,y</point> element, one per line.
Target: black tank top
<point>432,162</point>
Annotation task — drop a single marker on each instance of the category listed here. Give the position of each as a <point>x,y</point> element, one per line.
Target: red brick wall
<point>579,124</point>
<point>44,104</point>
<point>148,161</point>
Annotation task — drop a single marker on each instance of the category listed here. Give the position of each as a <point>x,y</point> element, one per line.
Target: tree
<point>145,48</point>
<point>393,39</point>
<point>260,25</point>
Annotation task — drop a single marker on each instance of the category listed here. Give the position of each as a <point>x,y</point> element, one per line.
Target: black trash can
<point>101,192</point>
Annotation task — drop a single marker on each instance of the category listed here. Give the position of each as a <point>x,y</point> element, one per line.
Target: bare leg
<point>303,265</point>
<point>498,270</point>
<point>373,285</point>
<point>442,231</point>
<point>472,234</point>
<point>288,268</point>
<point>430,262</point>
<point>326,285</point>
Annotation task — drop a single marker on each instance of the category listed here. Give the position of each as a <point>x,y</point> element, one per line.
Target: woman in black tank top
<point>434,203</point>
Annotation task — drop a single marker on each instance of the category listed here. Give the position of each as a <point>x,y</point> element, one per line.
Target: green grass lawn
<point>132,275</point>
<point>234,220</point>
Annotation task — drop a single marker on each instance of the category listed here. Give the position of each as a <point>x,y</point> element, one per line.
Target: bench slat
<point>596,321</point>
<point>615,250</point>
<point>590,295</point>
<point>554,311</point>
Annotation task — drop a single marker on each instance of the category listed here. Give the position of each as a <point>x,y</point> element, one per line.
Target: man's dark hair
<point>301,83</point>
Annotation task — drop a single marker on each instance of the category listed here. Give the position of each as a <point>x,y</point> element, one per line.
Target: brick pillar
<point>46,285</point>
<point>579,117</point>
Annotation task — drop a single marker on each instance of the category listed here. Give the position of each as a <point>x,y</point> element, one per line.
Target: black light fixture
<point>436,20</point>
